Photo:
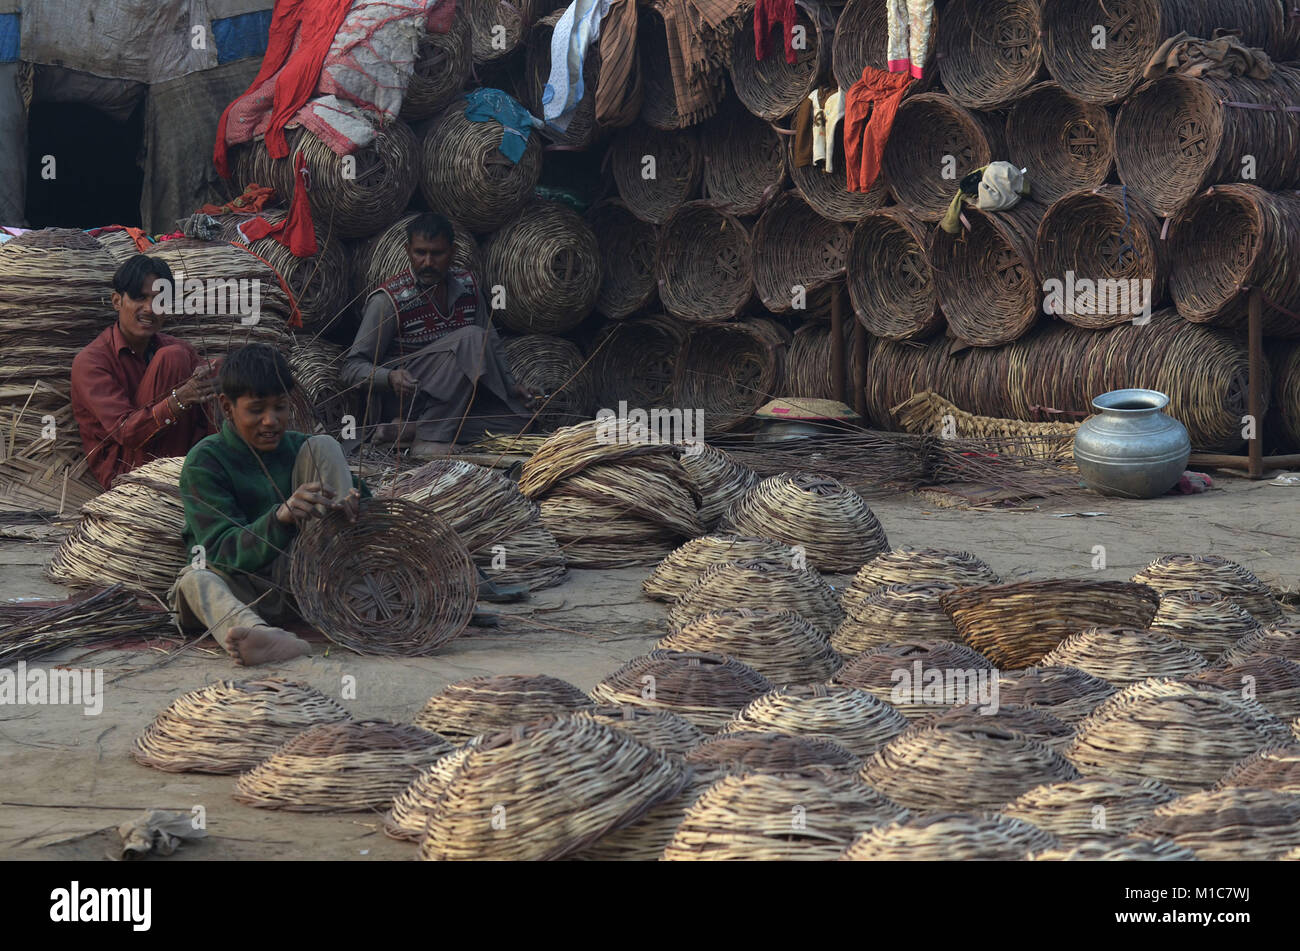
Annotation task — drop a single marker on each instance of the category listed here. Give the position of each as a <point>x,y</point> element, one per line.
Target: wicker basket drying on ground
<point>628,248</point>
<point>1276,767</point>
<point>675,575</point>
<point>780,645</point>
<point>1116,848</point>
<point>1124,657</point>
<point>497,27</point>
<point>948,837</point>
<point>1089,808</point>
<point>547,261</point>
<point>890,279</point>
<point>744,160</point>
<point>384,257</point>
<point>645,839</point>
<point>1015,625</point>
<point>928,129</point>
<point>464,173</point>
<point>808,815</point>
<point>489,704</point>
<point>546,789</point>
<point>657,729</point>
<point>554,366</point>
<point>1067,693</point>
<point>409,815</point>
<point>354,766</point>
<point>905,565</point>
<point>986,278</point>
<point>1205,621</point>
<point>964,766</point>
<point>769,753</point>
<point>1274,681</point>
<point>656,172</point>
<point>231,725</point>
<point>719,481</point>
<point>850,717</point>
<point>442,68</point>
<point>1062,142</point>
<point>706,689</point>
<point>730,370</point>
<point>830,522</point>
<point>1032,722</point>
<point>990,50</point>
<point>1232,237</point>
<point>771,585</point>
<point>1269,641</point>
<point>1213,573</point>
<point>1185,736</point>
<point>397,581</point>
<point>828,193</point>
<point>632,361</point>
<point>893,612</point>
<point>582,131</point>
<point>771,88</point>
<point>862,40</point>
<point>1180,134</point>
<point>1230,824</point>
<point>798,257</point>
<point>705,263</point>
<point>880,671</point>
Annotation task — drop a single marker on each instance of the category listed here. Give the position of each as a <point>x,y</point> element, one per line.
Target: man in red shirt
<point>139,394</point>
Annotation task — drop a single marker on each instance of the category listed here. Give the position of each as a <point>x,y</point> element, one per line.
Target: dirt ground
<point>74,778</point>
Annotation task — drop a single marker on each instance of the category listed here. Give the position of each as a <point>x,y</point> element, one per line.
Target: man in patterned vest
<point>426,358</point>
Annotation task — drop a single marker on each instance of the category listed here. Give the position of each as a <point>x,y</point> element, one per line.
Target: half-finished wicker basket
<point>948,837</point>
<point>771,585</point>
<point>852,718</point>
<point>1213,573</point>
<point>674,576</point>
<point>1089,808</point>
<point>1205,621</point>
<point>905,565</point>
<point>877,672</point>
<point>706,689</point>
<point>780,645</point>
<point>1274,681</point>
<point>1124,657</point>
<point>892,612</point>
<point>489,704</point>
<point>1229,824</point>
<point>409,815</point>
<point>745,752</point>
<point>1274,641</point>
<point>1067,693</point>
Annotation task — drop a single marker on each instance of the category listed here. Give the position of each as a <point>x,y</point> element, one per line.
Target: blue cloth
<point>10,32</point>
<point>240,37</point>
<point>494,105</point>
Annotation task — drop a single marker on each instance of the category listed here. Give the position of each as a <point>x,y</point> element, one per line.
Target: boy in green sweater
<point>247,490</point>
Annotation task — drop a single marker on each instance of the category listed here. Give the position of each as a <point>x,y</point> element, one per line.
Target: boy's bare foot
<point>251,646</point>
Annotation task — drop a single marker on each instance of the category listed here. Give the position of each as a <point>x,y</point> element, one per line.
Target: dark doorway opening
<point>97,179</point>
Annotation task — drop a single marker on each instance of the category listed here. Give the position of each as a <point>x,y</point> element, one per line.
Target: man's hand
<point>300,507</point>
<point>202,385</point>
<point>527,394</point>
<point>403,382</point>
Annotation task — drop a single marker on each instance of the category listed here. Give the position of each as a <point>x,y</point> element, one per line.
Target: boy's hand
<point>301,506</point>
<point>350,505</point>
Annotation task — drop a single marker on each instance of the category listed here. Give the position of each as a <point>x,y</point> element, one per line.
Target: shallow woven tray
<point>799,257</point>
<point>890,280</point>
<point>746,751</point>
<point>232,725</point>
<point>1273,641</point>
<point>657,729</point>
<point>546,789</point>
<point>1032,722</point>
<point>353,766</point>
<point>1274,681</point>
<point>832,524</point>
<point>948,837</point>
<point>850,717</point>
<point>1186,737</point>
<point>1276,766</point>
<point>990,50</point>
<point>719,480</point>
<point>963,766</point>
<point>1213,573</point>
<point>1067,693</point>
<point>1229,824</point>
<point>782,646</point>
<point>705,263</point>
<point>809,815</point>
<point>1205,621</point>
<point>771,585</point>
<point>892,612</point>
<point>1015,625</point>
<point>488,704</point>
<point>548,261</point>
<point>1061,141</point>
<point>1116,849</point>
<point>674,576</point>
<point>1124,657</point>
<point>905,565</point>
<point>678,164</point>
<point>628,248</point>
<point>1089,808</point>
<point>877,672</point>
<point>706,689</point>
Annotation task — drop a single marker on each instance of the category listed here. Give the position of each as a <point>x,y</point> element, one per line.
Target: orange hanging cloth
<point>869,113</point>
<point>253,199</point>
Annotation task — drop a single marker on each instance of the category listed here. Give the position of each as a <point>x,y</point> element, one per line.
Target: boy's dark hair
<point>432,226</point>
<point>258,370</point>
<point>133,277</point>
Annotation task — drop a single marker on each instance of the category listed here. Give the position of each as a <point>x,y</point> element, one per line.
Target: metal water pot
<point>1130,448</point>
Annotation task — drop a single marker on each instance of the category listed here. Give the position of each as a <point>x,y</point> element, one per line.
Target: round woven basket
<point>582,130</point>
<point>862,40</point>
<point>892,612</point>
<point>1067,693</point>
<point>628,248</point>
<point>831,523</point>
<point>554,366</point>
<point>1229,238</point>
<point>464,174</point>
<point>771,88</point>
<point>1178,135</point>
<point>705,263</point>
<point>546,789</point>
<point>657,729</point>
<point>548,263</point>
<point>809,815</point>
<point>409,815</point>
<point>930,133</point>
<point>744,160</point>
<point>730,370</point>
<point>645,839</point>
<point>655,172</point>
<point>808,371</point>
<point>1269,641</point>
<point>1124,657</point>
<point>497,27</point>
<point>1115,848</point>
<point>986,277</point>
<point>780,645</point>
<point>1015,625</point>
<point>1103,234</point>
<point>948,837</point>
<point>798,257</point>
<point>1182,735</point>
<point>769,753</point>
<point>675,575</point>
<point>1213,573</point>
<point>890,279</point>
<point>231,725</point>
<point>653,492</point>
<point>319,283</point>
<point>575,448</point>
<point>384,256</point>
<point>959,765</point>
<point>1229,825</point>
<point>442,68</point>
<point>1205,621</point>
<point>772,585</point>
<point>989,50</point>
<point>354,766</point>
<point>706,689</point>
<point>1062,142</point>
<point>897,673</point>
<point>632,361</point>
<point>1287,396</point>
<point>853,718</point>
<point>905,565</point>
<point>1274,767</point>
<point>1274,681</point>
<point>488,704</point>
<point>1089,808</point>
<point>1132,30</point>
<point>829,195</point>
<point>1033,722</point>
<point>398,581</point>
<point>718,480</point>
